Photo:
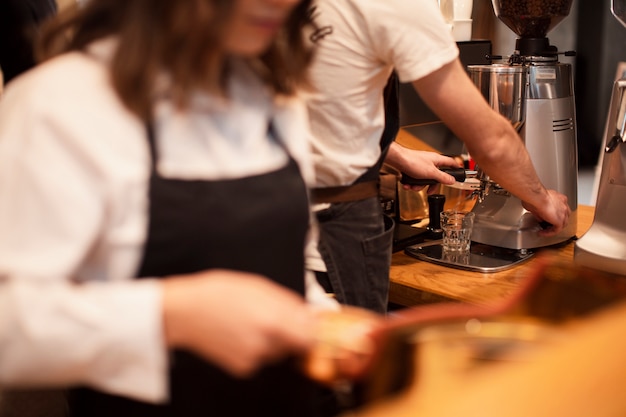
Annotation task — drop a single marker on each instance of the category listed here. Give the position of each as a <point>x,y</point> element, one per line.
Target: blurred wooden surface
<point>573,367</point>
<point>62,4</point>
<point>581,374</point>
<point>414,281</point>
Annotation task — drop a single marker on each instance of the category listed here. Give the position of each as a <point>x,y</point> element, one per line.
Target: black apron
<point>256,224</point>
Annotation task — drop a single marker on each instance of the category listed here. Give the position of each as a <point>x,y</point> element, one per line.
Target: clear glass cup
<point>457,230</point>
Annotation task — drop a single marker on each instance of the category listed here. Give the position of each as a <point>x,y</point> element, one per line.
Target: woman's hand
<point>236,320</point>
<point>344,345</point>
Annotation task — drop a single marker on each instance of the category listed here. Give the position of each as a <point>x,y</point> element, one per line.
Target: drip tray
<point>481,257</point>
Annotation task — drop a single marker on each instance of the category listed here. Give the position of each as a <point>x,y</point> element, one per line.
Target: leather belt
<point>354,192</point>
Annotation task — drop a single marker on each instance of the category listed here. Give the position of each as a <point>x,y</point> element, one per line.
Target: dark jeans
<point>355,243</point>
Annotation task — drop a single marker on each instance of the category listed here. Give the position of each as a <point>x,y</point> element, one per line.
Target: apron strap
<point>391,99</point>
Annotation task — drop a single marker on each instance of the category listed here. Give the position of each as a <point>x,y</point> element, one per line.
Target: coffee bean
<point>532,18</point>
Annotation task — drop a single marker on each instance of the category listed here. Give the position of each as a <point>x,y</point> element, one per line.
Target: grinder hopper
<point>603,247</point>
<point>531,20</point>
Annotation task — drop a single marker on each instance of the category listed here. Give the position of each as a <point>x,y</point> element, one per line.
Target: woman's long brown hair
<point>182,38</point>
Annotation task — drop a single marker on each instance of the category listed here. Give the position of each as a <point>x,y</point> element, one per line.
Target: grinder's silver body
<point>535,92</point>
<point>549,133</point>
<point>548,127</point>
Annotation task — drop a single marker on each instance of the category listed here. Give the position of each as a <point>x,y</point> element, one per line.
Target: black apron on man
<point>256,224</point>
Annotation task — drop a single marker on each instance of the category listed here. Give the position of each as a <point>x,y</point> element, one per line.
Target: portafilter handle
<point>486,185</point>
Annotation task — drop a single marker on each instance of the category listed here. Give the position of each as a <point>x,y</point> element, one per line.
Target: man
<point>359,44</point>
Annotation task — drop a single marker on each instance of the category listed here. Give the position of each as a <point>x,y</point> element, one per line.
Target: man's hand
<point>555,211</point>
<point>420,164</point>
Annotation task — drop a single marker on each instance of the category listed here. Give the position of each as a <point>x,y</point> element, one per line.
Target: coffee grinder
<point>548,127</point>
<point>535,92</point>
<point>603,246</point>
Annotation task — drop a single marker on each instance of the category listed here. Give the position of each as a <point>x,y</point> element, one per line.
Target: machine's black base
<point>535,47</point>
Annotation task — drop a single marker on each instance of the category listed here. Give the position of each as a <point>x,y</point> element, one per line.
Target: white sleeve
<point>411,35</point>
<point>54,334</point>
<point>58,228</point>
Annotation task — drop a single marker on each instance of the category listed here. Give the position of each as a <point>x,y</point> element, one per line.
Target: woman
<point>163,142</point>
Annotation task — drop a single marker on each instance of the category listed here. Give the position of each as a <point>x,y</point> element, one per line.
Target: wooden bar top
<point>415,282</point>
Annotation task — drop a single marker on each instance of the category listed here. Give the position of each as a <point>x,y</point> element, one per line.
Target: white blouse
<point>74,166</point>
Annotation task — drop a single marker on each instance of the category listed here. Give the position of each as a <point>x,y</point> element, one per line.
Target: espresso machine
<point>603,246</point>
<point>535,92</point>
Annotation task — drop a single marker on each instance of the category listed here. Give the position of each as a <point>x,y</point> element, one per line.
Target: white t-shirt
<point>74,166</point>
<point>368,39</point>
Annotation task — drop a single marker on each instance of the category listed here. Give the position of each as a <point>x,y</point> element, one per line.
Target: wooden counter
<point>575,369</point>
<point>581,375</point>
<point>414,281</point>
